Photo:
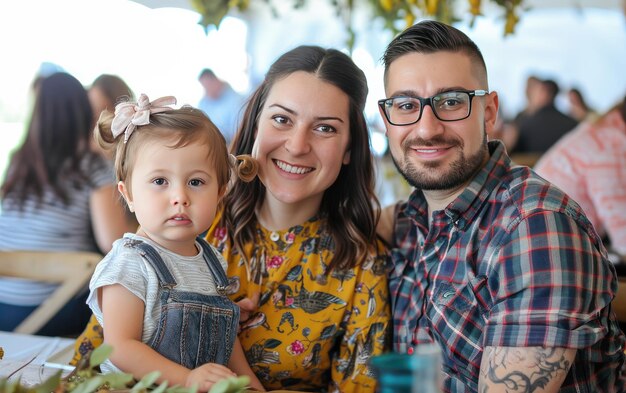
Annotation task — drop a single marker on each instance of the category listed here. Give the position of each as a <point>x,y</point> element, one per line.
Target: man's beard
<point>457,173</point>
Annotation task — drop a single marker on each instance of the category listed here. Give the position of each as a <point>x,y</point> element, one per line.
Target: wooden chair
<point>71,270</point>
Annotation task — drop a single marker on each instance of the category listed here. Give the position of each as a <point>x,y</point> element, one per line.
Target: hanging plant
<point>396,14</point>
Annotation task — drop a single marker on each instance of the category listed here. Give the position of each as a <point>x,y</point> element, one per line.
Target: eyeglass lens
<point>448,106</point>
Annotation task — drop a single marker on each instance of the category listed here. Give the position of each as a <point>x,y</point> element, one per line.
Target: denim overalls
<point>194,329</point>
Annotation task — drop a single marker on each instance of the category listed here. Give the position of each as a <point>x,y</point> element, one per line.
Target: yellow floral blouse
<point>312,331</point>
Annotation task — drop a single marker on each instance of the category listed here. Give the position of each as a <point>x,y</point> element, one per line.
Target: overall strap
<point>151,255</point>
<point>215,267</point>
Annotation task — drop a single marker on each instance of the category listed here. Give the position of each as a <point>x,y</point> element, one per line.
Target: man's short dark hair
<point>429,36</point>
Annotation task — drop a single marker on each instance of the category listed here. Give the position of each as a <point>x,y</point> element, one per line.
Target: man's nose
<point>429,125</point>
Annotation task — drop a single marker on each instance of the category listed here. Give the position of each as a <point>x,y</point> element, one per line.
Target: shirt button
<point>274,236</point>
<point>410,351</point>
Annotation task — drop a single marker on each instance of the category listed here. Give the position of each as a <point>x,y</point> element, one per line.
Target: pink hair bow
<point>129,115</point>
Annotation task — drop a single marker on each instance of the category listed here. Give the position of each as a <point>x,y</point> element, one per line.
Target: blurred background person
<point>106,91</point>
<point>503,130</point>
<point>58,195</point>
<point>509,127</point>
<point>46,69</point>
<point>578,108</point>
<point>221,103</point>
<point>541,127</point>
<point>533,84</point>
<point>589,164</point>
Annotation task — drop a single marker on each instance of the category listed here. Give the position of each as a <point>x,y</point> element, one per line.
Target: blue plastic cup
<point>404,373</point>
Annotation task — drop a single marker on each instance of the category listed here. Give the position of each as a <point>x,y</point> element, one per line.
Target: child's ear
<point>121,187</point>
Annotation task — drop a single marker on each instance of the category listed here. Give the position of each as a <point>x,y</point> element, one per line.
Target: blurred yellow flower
<point>397,14</point>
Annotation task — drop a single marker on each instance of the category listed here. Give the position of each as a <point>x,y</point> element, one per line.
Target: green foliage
<point>231,385</point>
<point>396,14</point>
<point>86,379</point>
<point>99,355</point>
<point>213,11</point>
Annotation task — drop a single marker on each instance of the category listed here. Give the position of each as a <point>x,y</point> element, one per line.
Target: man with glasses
<point>491,262</point>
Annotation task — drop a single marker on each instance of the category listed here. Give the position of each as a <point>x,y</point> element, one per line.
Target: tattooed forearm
<point>532,369</point>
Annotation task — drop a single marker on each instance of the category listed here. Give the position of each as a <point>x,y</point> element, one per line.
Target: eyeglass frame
<point>428,101</point>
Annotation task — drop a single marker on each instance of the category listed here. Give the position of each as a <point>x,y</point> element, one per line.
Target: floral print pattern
<point>312,331</point>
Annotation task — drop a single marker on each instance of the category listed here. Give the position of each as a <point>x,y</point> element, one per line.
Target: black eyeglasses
<point>447,106</point>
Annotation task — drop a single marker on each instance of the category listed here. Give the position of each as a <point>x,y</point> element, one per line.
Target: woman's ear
<point>121,187</point>
<point>346,157</point>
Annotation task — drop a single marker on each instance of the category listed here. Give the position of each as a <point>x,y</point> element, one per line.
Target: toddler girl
<point>160,293</point>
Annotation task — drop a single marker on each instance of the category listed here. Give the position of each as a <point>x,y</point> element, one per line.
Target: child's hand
<point>206,375</point>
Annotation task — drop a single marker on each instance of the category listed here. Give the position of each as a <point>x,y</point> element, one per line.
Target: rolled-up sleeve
<point>551,285</point>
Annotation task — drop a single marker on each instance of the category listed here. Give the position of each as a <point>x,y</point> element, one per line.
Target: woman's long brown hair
<point>58,138</point>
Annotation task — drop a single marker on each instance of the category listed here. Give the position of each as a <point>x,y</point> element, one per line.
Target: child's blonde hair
<point>176,128</point>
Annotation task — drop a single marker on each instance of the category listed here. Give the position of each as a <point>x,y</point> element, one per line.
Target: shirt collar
<point>463,209</point>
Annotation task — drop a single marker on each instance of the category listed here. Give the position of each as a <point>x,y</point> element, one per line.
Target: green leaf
<point>212,12</point>
<point>160,389</point>
<point>231,385</point>
<point>49,384</point>
<point>9,387</point>
<point>118,380</point>
<point>146,381</point>
<point>242,382</point>
<point>220,386</point>
<point>90,385</point>
<point>182,389</point>
<point>99,355</point>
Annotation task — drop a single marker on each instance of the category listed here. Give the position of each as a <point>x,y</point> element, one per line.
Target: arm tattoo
<point>524,369</point>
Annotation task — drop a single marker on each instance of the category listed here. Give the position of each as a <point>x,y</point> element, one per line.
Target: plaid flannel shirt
<point>511,262</point>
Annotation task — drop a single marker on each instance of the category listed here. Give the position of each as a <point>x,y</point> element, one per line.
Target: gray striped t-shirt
<point>125,266</point>
<point>50,226</point>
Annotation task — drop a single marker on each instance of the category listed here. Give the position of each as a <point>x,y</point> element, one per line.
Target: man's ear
<point>491,111</point>
<point>121,187</point>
